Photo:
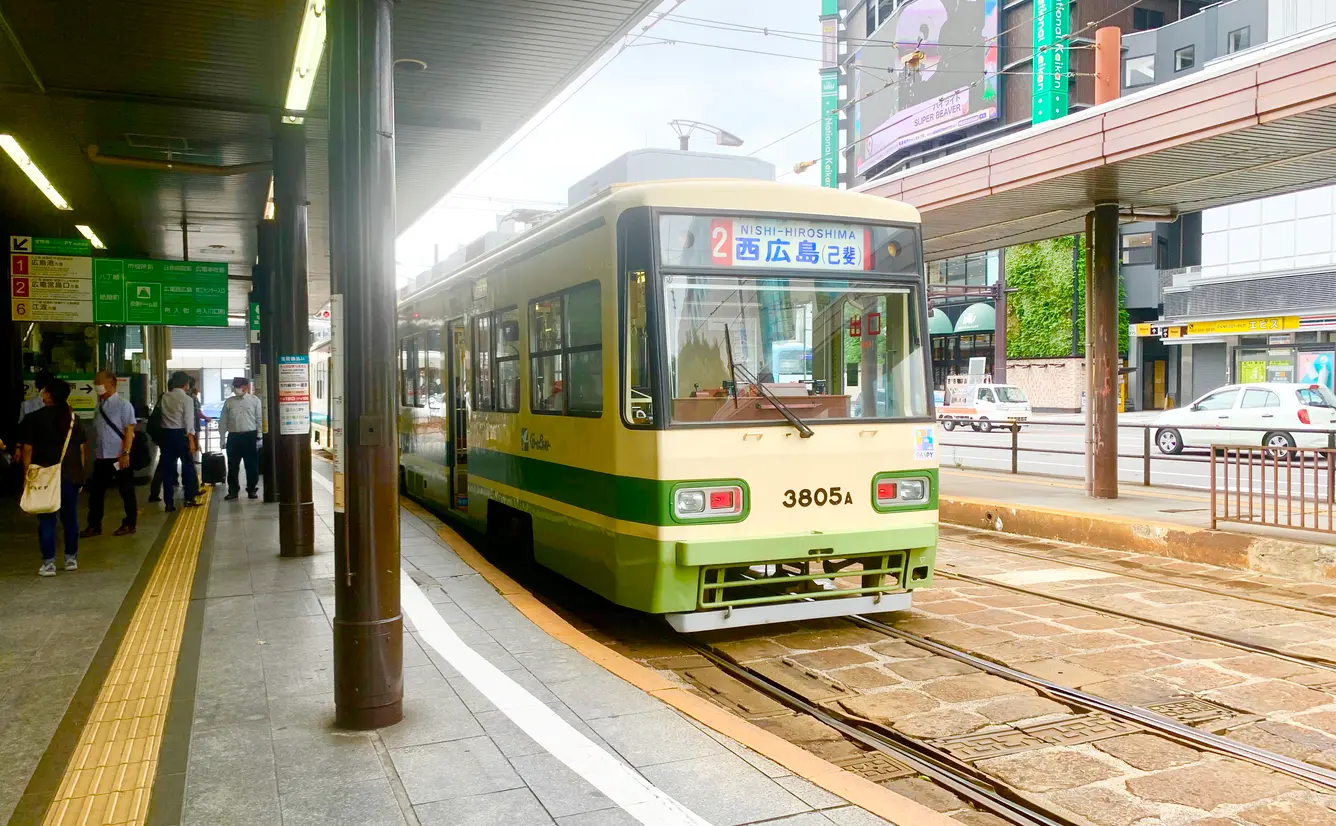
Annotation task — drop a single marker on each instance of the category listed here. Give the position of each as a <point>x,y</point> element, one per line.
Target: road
<point>1041,450</point>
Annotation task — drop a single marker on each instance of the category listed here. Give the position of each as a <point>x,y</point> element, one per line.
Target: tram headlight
<point>709,502</point>
<point>689,501</point>
<point>913,490</point>
<point>891,492</point>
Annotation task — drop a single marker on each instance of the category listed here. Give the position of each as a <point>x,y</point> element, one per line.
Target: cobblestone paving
<point>1085,767</point>
<point>1076,764</point>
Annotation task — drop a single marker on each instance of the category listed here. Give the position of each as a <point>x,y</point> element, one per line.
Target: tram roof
<point>724,195</point>
<point>1258,123</point>
<point>202,82</point>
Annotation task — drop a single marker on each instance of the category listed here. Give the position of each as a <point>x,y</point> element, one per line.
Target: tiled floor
<point>50,630</point>
<point>264,749</point>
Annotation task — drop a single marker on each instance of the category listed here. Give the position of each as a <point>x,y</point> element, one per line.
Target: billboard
<point>927,71</point>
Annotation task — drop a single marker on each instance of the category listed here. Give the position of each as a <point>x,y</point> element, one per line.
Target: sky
<point>633,94</point>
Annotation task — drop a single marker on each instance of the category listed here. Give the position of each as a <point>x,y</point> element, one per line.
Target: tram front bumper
<point>694,621</point>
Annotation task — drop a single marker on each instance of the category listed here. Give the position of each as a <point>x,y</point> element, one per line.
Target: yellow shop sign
<point>1243,326</point>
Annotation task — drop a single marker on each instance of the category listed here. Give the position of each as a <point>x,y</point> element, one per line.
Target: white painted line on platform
<point>621,784</point>
<point>1050,575</point>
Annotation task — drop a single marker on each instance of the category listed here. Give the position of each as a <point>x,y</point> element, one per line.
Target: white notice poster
<point>294,395</point>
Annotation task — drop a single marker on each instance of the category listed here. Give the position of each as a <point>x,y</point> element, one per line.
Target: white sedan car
<point>1273,415</point>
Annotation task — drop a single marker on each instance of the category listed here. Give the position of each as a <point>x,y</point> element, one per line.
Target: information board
<point>179,293</point>
<point>46,285</point>
<point>294,395</point>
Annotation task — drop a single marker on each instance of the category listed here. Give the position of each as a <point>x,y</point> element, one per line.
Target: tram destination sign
<point>772,243</point>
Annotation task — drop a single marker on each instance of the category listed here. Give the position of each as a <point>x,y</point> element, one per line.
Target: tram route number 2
<point>821,496</point>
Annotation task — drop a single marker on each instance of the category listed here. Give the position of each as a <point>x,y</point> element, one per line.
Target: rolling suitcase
<point>213,465</point>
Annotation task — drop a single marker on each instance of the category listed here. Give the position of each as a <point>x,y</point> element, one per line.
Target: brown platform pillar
<point>265,371</point>
<point>368,626</point>
<point>292,345</point>
<point>1102,393</point>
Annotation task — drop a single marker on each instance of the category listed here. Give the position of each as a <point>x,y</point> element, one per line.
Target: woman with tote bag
<point>53,472</point>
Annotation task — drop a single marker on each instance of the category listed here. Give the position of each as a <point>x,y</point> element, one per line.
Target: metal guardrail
<point>1278,501</point>
<point>1015,448</point>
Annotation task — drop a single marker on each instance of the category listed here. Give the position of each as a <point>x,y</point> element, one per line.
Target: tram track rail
<point>1172,729</point>
<point>1174,580</point>
<point>1187,631</point>
<point>923,758</point>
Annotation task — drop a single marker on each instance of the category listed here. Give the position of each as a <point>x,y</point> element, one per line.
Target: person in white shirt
<point>114,422</point>
<point>178,444</point>
<point>239,427</point>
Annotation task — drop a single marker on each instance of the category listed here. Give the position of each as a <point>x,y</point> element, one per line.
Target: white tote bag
<point>41,489</point>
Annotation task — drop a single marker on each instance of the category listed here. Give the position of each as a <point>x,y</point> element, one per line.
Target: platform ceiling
<point>203,82</point>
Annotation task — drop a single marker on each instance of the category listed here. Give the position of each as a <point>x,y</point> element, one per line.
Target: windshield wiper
<point>734,368</point>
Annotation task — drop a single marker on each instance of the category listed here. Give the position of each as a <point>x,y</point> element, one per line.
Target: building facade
<point>1246,292</point>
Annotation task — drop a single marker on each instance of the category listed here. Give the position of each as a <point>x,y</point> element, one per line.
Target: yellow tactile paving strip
<point>109,778</point>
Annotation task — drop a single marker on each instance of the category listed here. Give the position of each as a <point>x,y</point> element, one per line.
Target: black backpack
<point>139,455</point>
<point>154,426</point>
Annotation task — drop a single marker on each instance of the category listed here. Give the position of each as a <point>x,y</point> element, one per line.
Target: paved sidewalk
<point>263,749</point>
<point>51,630</point>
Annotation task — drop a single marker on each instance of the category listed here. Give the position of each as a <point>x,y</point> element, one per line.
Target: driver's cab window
<point>985,395</point>
<point>1224,400</point>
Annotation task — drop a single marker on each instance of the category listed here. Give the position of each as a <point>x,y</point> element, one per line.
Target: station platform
<point>184,675</point>
<point>1159,521</point>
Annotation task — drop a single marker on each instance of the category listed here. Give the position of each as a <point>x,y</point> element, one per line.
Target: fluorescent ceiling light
<point>87,232</point>
<point>30,169</point>
<point>306,62</point>
<point>269,203</point>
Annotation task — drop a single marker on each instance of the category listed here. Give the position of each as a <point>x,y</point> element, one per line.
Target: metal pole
<point>292,343</point>
<point>1076,295</point>
<point>1000,321</point>
<point>368,625</point>
<point>266,234</point>
<point>1145,450</point>
<point>1089,433</point>
<point>1102,393</point>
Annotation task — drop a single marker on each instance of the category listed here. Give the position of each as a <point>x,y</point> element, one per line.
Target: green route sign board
<point>1052,29</point>
<point>27,244</point>
<point>179,293</point>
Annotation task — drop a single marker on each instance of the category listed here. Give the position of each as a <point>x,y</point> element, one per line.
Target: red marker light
<point>1303,416</point>
<point>721,500</point>
<point>886,491</point>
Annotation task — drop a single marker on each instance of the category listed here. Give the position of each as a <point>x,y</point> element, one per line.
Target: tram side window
<point>408,372</point>
<point>482,363</point>
<point>640,401</point>
<point>435,362</point>
<point>507,334</point>
<point>566,352</point>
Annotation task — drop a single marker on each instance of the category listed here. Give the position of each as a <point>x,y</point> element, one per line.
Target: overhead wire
<point>894,81</point>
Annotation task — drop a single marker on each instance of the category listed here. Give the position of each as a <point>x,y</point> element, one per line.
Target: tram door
<point>458,419</point>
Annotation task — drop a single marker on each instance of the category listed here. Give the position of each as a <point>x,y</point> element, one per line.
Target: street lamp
<point>684,128</point>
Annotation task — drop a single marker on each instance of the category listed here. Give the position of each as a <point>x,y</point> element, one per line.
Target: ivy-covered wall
<point>1039,300</point>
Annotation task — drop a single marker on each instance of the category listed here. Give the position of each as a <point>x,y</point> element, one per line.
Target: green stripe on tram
<point>628,498</point>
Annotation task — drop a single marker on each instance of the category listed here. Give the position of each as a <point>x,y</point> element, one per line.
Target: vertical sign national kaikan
<point>1052,26</point>
<point>830,124</point>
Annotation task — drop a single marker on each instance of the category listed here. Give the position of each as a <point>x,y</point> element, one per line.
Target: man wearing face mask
<point>115,424</point>
<point>239,426</point>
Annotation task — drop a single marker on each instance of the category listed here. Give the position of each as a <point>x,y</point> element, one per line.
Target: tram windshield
<point>825,349</point>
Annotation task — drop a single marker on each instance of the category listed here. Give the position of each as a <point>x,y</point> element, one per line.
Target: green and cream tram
<point>703,399</point>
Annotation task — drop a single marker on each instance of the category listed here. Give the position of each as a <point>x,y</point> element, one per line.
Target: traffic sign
<point>50,246</point>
